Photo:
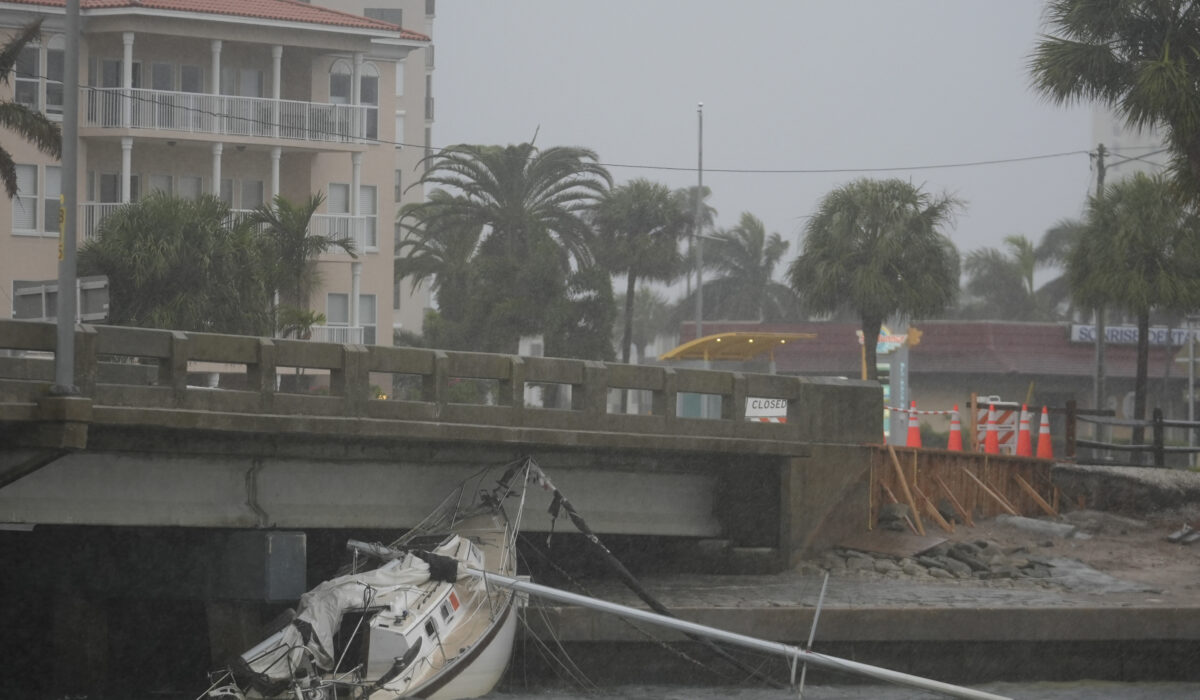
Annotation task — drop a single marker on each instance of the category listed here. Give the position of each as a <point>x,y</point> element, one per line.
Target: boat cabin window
<point>447,611</point>
<point>430,628</point>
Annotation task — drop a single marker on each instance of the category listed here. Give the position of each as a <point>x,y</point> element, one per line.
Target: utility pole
<point>64,348</point>
<point>699,245</point>
<point>1098,384</point>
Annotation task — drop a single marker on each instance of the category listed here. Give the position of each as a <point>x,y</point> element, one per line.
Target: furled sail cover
<point>321,610</point>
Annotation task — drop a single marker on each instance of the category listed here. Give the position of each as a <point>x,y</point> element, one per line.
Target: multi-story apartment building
<point>414,114</point>
<point>242,99</point>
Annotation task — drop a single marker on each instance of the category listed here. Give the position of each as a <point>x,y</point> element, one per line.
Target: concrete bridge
<point>159,500</point>
<point>310,435</point>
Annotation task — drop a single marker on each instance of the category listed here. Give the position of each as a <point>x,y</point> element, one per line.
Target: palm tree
<point>687,202</point>
<point>744,258</point>
<point>291,250</point>
<point>652,316</point>
<point>516,194</point>
<point>177,263</point>
<point>638,227</point>
<point>1052,251</point>
<point>876,247</point>
<point>1141,254</point>
<point>1002,281</point>
<point>1142,59</point>
<point>440,256</point>
<point>30,125</point>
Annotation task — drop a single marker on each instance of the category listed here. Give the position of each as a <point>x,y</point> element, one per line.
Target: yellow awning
<point>734,346</point>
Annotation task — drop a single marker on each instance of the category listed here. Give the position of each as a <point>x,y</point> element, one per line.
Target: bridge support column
<point>824,499</point>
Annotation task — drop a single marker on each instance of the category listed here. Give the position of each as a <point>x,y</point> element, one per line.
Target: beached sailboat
<point>412,626</point>
<point>437,618</point>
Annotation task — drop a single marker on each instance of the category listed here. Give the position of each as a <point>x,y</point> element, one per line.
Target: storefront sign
<point>1128,335</point>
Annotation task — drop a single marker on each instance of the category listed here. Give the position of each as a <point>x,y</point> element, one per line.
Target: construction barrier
<point>967,484</point>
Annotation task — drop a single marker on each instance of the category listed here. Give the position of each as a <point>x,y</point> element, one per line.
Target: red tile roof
<point>279,10</point>
<point>955,347</point>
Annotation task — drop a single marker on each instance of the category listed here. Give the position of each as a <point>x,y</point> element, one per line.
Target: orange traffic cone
<point>991,441</point>
<point>955,442</point>
<point>1024,440</point>
<point>914,428</point>
<point>1045,450</point>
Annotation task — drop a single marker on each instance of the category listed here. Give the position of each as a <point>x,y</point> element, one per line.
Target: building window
<point>366,317</point>
<point>398,192</point>
<point>191,79</point>
<point>399,78</point>
<point>226,195</point>
<point>35,208</point>
<point>340,77</point>
<point>252,194</point>
<point>191,187</point>
<point>55,67</point>
<point>385,14</point>
<point>369,96</point>
<point>28,77</point>
<point>160,183</point>
<point>399,130</point>
<point>50,199</point>
<point>368,208</point>
<point>25,204</point>
<point>337,313</point>
<point>429,7</point>
<point>428,147</point>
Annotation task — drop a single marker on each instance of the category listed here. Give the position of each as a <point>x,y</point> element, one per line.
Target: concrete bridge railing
<point>121,369</point>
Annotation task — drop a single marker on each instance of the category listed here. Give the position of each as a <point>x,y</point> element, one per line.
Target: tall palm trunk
<point>627,340</point>
<point>870,329</point>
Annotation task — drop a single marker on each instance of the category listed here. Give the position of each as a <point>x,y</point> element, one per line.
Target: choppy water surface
<point>1085,690</point>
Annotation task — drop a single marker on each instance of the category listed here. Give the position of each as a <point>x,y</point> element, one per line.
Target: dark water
<point>1084,690</point>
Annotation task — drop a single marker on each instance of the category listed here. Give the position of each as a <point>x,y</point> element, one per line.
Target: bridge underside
<point>162,478</point>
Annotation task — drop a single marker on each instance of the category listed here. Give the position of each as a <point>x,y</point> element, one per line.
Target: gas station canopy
<point>734,346</point>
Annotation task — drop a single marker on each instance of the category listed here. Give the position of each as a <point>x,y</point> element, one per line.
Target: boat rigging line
<point>561,503</point>
<point>778,648</point>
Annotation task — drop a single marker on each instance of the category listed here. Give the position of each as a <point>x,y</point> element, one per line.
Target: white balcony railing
<point>90,216</point>
<point>358,229</point>
<point>225,115</point>
<point>343,335</point>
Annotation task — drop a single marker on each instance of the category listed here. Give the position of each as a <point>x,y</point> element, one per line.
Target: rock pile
<point>982,560</point>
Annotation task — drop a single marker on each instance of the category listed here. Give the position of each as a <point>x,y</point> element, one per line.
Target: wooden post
<point>958,507</point>
<point>1070,436</point>
<point>1032,493</point>
<point>972,409</point>
<point>997,497</point>
<point>912,503</point>
<point>1157,426</point>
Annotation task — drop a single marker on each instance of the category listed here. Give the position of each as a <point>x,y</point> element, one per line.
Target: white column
<point>355,210</point>
<point>214,86</point>
<point>276,76</point>
<point>356,95</point>
<point>276,152</point>
<point>355,292</point>
<point>126,168</point>
<point>356,84</point>
<point>127,78</point>
<point>217,149</point>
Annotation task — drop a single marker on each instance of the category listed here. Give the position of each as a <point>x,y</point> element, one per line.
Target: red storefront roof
<point>279,10</point>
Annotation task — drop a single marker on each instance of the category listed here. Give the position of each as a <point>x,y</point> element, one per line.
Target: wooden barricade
<point>974,485</point>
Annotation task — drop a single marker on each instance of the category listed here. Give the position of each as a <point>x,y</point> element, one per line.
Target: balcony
<point>343,335</point>
<point>224,115</point>
<point>358,229</point>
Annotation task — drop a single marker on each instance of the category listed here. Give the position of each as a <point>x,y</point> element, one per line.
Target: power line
<point>667,168</point>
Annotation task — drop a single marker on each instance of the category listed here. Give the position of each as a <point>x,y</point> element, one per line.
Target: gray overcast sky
<point>820,84</point>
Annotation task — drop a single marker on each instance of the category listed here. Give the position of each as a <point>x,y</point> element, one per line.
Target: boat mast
<point>796,654</point>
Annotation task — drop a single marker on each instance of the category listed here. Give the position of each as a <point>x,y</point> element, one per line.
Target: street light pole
<point>64,348</point>
<point>699,244</point>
